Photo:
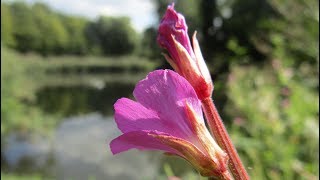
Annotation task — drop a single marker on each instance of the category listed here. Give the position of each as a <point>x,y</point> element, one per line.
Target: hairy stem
<point>221,136</point>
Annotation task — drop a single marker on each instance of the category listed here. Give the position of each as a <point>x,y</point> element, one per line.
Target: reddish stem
<point>225,176</point>
<point>221,136</point>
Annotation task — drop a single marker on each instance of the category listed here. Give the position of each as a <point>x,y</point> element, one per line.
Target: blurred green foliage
<point>23,76</point>
<point>20,177</point>
<point>77,41</point>
<point>6,26</point>
<point>114,35</point>
<point>52,36</point>
<point>36,28</point>
<point>263,57</point>
<point>149,48</point>
<point>18,111</point>
<point>274,104</point>
<point>274,125</point>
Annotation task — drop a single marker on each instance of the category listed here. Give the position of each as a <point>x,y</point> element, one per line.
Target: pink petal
<point>166,93</point>
<point>142,140</point>
<point>154,140</point>
<point>132,116</point>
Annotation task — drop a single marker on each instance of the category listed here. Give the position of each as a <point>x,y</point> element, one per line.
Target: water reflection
<point>82,99</point>
<point>79,148</point>
<point>26,154</point>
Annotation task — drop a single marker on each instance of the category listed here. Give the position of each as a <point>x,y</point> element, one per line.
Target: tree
<point>75,27</point>
<point>6,26</point>
<point>115,35</point>
<point>53,36</point>
<point>25,32</point>
<point>149,47</point>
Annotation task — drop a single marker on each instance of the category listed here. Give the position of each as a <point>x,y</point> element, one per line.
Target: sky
<point>141,12</point>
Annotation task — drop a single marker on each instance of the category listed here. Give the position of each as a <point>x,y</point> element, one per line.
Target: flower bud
<point>187,61</point>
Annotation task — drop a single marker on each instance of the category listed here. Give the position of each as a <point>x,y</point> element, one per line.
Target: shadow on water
<point>82,99</point>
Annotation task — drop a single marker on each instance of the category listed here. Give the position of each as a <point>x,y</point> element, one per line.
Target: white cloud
<point>141,12</point>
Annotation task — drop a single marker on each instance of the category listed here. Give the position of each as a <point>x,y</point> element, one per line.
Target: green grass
<point>5,176</point>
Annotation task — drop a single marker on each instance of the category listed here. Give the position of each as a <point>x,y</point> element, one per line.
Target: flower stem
<point>221,136</point>
<point>224,176</point>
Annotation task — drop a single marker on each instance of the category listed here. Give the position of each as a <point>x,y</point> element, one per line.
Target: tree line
<point>228,31</point>
<point>37,28</point>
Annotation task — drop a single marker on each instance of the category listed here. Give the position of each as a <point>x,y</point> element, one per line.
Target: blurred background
<point>65,63</point>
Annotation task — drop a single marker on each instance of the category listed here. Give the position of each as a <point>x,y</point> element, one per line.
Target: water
<point>82,99</point>
<point>79,148</point>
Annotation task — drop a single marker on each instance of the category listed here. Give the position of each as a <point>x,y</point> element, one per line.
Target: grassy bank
<point>73,70</point>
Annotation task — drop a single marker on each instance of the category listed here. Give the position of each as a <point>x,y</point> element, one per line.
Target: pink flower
<point>187,61</point>
<point>167,116</point>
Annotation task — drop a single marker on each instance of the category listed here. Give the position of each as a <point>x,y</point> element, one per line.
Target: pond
<point>79,147</point>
